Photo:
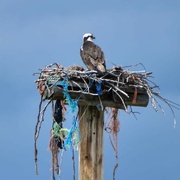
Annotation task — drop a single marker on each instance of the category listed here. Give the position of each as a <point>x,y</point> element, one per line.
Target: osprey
<point>92,55</point>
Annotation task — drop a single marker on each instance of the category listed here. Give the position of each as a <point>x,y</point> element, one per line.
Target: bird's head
<point>88,37</point>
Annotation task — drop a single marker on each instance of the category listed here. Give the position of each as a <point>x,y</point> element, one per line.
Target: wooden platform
<point>114,88</point>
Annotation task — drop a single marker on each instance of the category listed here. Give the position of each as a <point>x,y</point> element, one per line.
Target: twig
<point>74,170</point>
<point>35,137</point>
<point>40,119</point>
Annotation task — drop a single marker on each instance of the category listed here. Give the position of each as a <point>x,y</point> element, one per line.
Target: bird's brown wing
<point>94,56</point>
<point>88,61</point>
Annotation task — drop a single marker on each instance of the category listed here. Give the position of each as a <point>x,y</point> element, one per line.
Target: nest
<point>117,87</point>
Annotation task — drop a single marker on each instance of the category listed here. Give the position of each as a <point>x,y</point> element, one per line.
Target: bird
<point>92,55</point>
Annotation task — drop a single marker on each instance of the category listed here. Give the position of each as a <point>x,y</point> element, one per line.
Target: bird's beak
<point>93,37</point>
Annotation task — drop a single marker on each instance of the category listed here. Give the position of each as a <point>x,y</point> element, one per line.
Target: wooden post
<point>91,155</point>
<point>119,88</point>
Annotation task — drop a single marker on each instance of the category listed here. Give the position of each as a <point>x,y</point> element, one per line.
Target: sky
<point>34,34</point>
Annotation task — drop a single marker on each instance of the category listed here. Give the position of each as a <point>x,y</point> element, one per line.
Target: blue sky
<point>37,33</point>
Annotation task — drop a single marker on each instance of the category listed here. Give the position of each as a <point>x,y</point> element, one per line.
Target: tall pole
<point>91,155</point>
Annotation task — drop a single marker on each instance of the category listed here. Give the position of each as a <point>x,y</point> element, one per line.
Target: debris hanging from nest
<point>113,127</point>
<point>117,88</point>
